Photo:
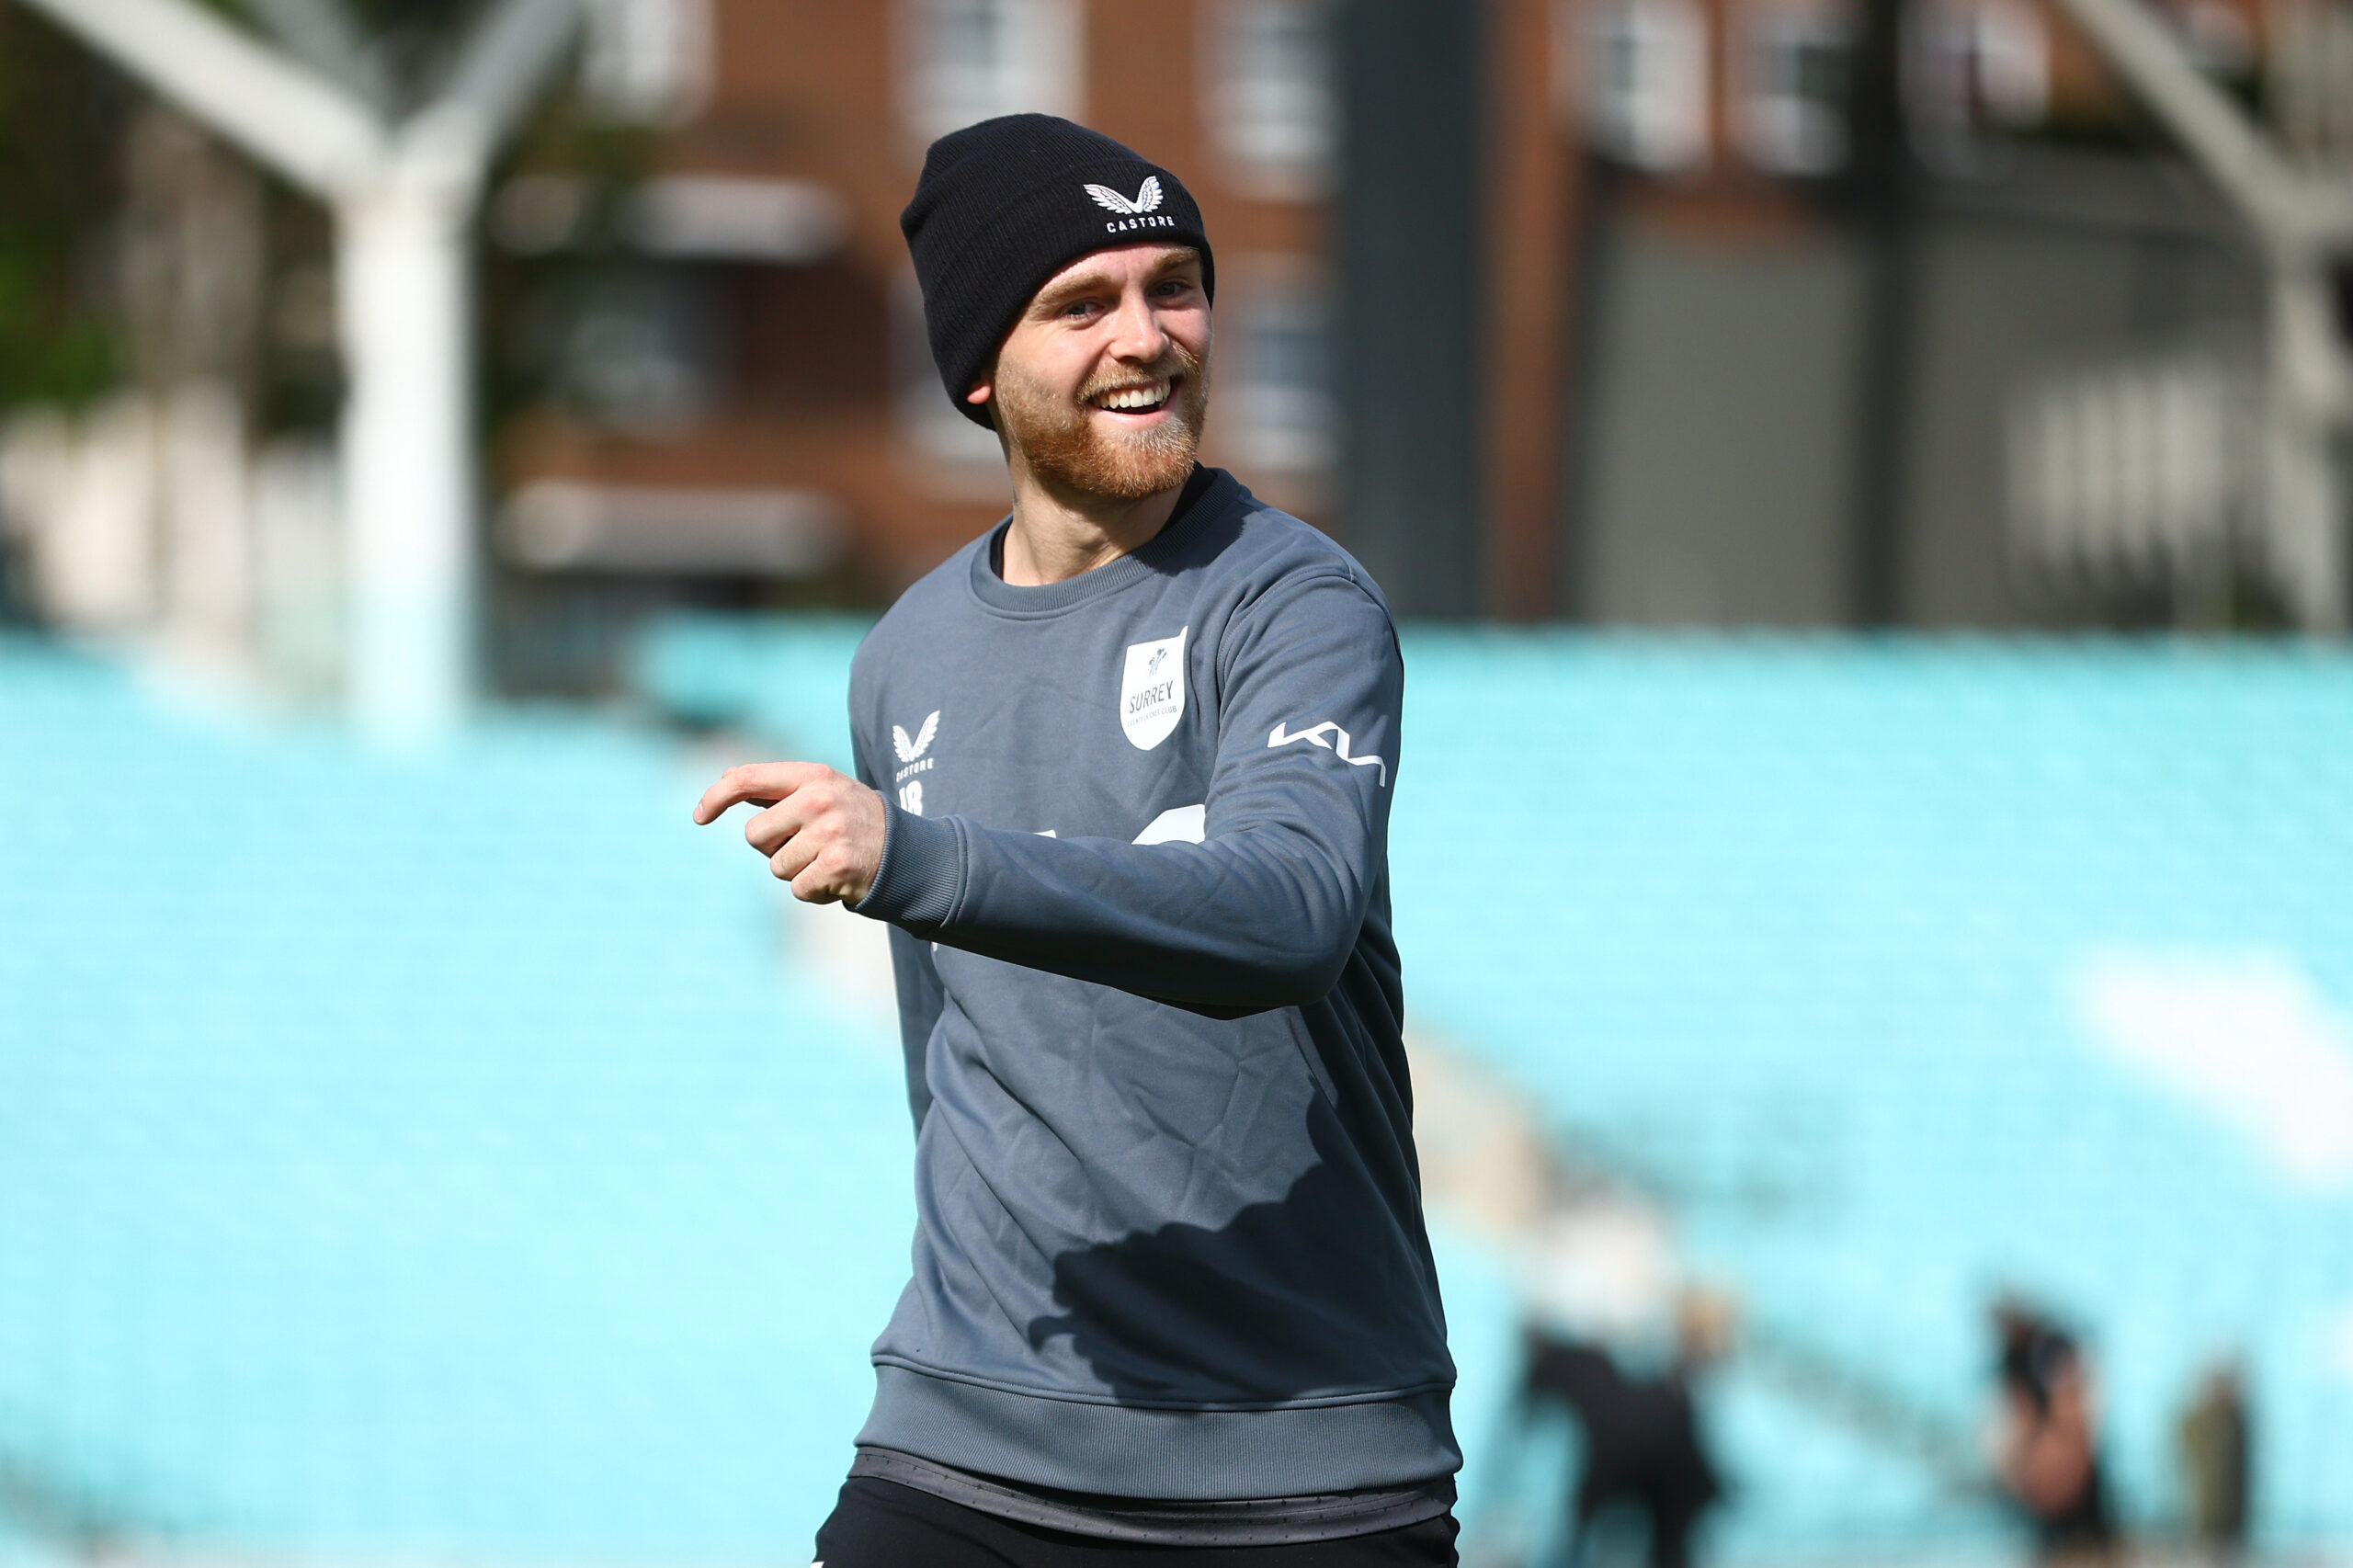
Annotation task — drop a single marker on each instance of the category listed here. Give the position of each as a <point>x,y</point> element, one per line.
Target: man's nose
<point>1136,331</point>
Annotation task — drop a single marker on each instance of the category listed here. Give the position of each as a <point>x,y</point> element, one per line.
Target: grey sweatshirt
<point>1169,1236</point>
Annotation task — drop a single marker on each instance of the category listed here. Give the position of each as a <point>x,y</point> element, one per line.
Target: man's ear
<point>984,397</point>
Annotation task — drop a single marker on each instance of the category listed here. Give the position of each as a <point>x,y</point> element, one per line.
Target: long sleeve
<point>1265,912</point>
<point>920,994</point>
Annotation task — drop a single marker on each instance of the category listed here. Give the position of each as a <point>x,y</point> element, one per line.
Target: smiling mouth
<point>1144,397</point>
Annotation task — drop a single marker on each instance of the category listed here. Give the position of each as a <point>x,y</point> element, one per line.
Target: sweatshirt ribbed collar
<point>1207,493</point>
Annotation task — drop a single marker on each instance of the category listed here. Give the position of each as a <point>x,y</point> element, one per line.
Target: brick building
<point>750,383</point>
<point>1667,311</point>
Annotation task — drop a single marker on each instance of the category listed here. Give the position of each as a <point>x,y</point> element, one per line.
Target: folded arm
<point>1265,912</point>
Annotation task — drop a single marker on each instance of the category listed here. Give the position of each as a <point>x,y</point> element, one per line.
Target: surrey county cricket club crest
<point>1152,690</point>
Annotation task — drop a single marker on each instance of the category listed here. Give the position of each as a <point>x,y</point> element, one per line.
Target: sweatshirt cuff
<point>922,873</point>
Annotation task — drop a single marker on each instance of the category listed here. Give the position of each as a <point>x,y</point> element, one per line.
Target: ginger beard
<point>1066,447</point>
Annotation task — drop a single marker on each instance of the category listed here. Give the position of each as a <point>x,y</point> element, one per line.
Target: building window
<point>2010,62</point>
<point>647,61</point>
<point>2308,79</point>
<point>1793,102</point>
<point>642,349</point>
<point>1274,352</point>
<point>965,60</point>
<point>1272,110</point>
<point>1646,82</point>
<point>1976,65</point>
<point>954,456</point>
<point>2141,473</point>
<point>2215,33</point>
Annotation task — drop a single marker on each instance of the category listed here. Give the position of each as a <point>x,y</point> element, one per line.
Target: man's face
<point>1103,383</point>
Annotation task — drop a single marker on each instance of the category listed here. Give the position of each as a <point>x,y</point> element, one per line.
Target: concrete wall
<point>1712,437</point>
<point>1715,460</point>
<point>2084,265</point>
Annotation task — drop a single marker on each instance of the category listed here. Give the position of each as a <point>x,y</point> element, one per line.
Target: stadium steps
<point>1492,1167</point>
<point>71,1521</point>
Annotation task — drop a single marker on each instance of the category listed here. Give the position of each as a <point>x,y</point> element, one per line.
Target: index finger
<point>765,782</point>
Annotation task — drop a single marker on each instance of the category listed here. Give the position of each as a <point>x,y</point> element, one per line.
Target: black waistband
<point>1245,1521</point>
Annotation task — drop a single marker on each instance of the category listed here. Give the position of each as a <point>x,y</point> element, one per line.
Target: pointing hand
<point>822,831</point>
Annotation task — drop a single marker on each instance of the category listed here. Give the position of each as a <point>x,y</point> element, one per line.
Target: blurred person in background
<point>2046,1436</point>
<point>1123,796</point>
<point>2213,1444</point>
<point>1644,1453</point>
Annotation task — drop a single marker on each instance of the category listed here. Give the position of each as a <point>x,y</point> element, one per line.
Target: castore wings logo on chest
<point>909,750</point>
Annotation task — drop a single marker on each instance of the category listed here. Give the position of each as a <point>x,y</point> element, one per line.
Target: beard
<point>1067,449</point>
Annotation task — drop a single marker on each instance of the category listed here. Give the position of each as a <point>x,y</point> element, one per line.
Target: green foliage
<point>529,302</point>
<point>62,117</point>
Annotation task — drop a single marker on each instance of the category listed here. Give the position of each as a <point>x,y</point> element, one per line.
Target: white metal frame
<point>404,195</point>
<point>2303,221</point>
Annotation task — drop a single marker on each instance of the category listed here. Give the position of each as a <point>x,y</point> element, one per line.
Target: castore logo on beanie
<point>1147,196</point>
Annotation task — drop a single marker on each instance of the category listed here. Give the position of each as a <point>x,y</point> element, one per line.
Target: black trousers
<point>879,1524</point>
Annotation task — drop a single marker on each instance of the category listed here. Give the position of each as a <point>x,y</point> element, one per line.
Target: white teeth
<point>1135,397</point>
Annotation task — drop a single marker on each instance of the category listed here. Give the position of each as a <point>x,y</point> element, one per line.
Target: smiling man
<point>1125,768</point>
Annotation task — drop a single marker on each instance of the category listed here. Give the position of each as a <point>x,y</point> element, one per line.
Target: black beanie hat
<point>1004,205</point>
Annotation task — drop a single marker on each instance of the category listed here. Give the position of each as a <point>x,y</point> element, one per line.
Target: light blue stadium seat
<point>482,1184</point>
<point>419,1156</point>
